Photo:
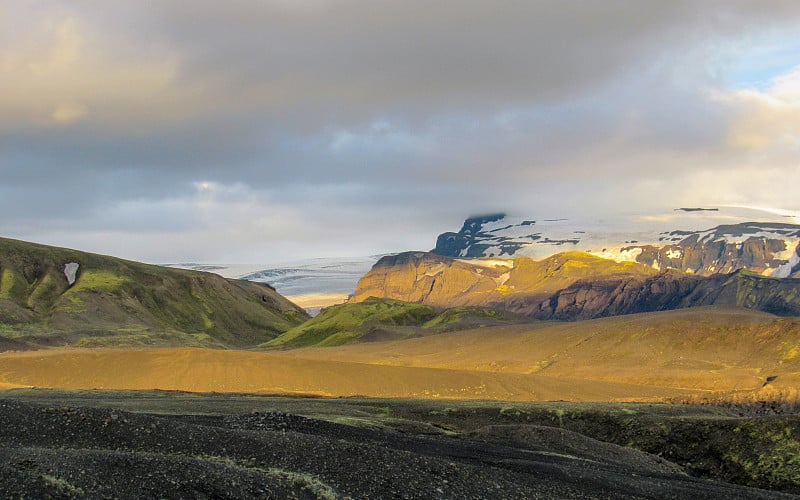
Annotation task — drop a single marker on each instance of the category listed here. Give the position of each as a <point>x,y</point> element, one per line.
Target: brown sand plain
<point>646,357</point>
<point>208,370</point>
<point>701,349</point>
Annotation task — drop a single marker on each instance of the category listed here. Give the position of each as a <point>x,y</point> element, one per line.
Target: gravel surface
<point>56,452</point>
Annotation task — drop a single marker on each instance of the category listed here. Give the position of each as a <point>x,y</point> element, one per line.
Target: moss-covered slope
<point>386,319</point>
<point>117,302</point>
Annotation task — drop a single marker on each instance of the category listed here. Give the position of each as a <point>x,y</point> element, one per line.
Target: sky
<point>277,130</point>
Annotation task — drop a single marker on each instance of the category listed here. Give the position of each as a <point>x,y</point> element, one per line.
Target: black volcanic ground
<point>51,450</point>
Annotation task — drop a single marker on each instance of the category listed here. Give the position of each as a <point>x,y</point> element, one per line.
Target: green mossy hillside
<point>385,319</point>
<point>463,317</point>
<point>114,302</point>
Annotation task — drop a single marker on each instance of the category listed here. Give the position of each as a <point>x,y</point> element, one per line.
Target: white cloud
<point>768,121</point>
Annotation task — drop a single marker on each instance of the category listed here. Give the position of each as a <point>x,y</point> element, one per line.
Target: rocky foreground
<point>56,451</point>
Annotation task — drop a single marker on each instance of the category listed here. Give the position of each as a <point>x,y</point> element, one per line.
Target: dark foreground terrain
<point>181,445</point>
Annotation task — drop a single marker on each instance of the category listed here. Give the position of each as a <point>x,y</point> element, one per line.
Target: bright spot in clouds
<point>68,112</point>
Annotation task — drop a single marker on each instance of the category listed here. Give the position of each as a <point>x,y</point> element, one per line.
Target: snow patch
<point>501,280</point>
<point>674,253</point>
<point>790,249</point>
<point>621,255</point>
<point>785,270</point>
<point>738,239</point>
<point>71,272</point>
<point>301,277</point>
<point>433,271</point>
<point>490,263</point>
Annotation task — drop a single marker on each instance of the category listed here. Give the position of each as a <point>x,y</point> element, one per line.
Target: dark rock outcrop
<point>713,252</point>
<point>469,241</point>
<point>671,290</point>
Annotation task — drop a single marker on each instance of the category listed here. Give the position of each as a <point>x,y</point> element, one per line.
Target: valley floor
<point>697,354</point>
<point>471,414</point>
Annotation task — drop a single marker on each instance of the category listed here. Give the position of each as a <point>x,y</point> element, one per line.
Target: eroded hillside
<point>568,286</point>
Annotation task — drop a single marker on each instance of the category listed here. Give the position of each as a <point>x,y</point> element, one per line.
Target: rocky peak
<point>681,240</point>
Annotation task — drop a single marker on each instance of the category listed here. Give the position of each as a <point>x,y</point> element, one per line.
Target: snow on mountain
<point>700,240</point>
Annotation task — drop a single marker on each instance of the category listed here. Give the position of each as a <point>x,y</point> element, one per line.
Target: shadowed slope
<point>51,451</point>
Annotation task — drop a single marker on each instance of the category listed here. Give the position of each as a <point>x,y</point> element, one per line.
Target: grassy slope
<point>384,319</point>
<point>119,302</point>
<point>561,270</point>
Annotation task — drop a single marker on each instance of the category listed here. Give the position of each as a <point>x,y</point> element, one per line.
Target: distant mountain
<point>312,283</point>
<point>568,286</point>
<point>689,239</point>
<point>54,296</point>
<point>509,284</point>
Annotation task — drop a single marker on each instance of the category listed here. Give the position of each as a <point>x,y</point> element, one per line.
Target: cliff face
<point>713,254</point>
<point>768,248</point>
<point>570,286</point>
<point>667,291</point>
<point>515,285</point>
<point>429,279</point>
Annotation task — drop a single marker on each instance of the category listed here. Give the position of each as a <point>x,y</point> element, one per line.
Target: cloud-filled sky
<point>276,130</point>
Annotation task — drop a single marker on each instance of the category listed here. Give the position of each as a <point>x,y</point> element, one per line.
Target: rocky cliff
<point>679,241</point>
<point>588,299</point>
<point>568,286</point>
<point>767,249</point>
<point>515,285</point>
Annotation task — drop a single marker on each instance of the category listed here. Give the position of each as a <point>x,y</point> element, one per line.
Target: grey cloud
<point>345,115</point>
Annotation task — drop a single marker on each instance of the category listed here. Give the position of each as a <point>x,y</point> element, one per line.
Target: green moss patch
<point>347,323</point>
<point>387,319</point>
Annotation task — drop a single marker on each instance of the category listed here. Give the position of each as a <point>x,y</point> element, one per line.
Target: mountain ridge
<point>568,286</point>
<point>693,240</point>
